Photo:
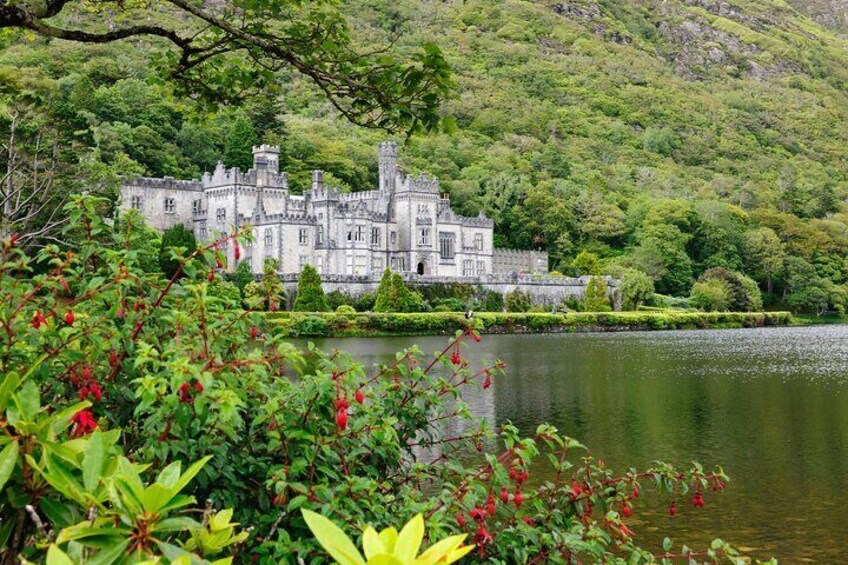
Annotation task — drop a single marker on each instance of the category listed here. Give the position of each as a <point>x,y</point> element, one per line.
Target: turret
<point>387,160</point>
<point>266,163</point>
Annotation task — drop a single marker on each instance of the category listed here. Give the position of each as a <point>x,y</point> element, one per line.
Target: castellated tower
<point>387,161</point>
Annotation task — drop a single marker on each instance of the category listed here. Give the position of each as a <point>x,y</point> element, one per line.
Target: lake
<point>770,405</point>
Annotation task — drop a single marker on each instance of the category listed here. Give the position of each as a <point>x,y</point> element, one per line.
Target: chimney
<point>387,161</point>
<point>317,180</point>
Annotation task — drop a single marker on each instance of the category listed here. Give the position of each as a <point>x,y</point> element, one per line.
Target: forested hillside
<point>663,136</point>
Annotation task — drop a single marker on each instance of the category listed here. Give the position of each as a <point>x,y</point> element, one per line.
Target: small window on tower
<point>170,206</point>
<point>135,202</point>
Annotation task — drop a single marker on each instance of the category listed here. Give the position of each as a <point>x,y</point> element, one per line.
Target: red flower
<point>86,373</point>
<point>65,285</point>
<point>626,509</point>
<point>473,335</point>
<point>113,358</point>
<point>490,504</point>
<point>487,382</point>
<point>38,319</point>
<point>138,306</point>
<point>95,390</point>
<point>13,239</point>
<point>185,393</point>
<point>482,537</point>
<point>84,423</point>
<point>210,276</point>
<point>197,386</point>
<point>625,531</point>
<point>635,490</point>
<point>460,520</point>
<point>576,489</point>
<point>517,498</point>
<point>341,419</point>
<point>342,403</point>
<point>253,332</point>
<point>528,520</point>
<point>359,397</point>
<point>504,495</point>
<point>82,393</point>
<point>478,514</point>
<point>69,317</point>
<point>272,307</point>
<point>236,250</point>
<point>698,500</point>
<point>672,509</point>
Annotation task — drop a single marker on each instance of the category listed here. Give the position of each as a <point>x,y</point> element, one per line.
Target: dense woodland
<point>662,138</point>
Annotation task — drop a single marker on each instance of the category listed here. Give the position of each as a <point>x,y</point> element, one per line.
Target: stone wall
<point>508,261</point>
<point>545,291</point>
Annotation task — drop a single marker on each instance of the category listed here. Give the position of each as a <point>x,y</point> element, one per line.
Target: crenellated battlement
<point>165,183</point>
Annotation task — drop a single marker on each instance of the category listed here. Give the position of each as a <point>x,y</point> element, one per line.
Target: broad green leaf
<point>169,475</point>
<point>109,555</point>
<point>190,473</point>
<point>10,382</point>
<point>409,539</point>
<point>155,497</point>
<point>333,539</point>
<point>446,551</point>
<point>61,514</point>
<point>8,459</point>
<point>176,524</point>
<point>385,559</point>
<point>371,543</point>
<point>92,461</point>
<point>389,538</point>
<point>56,556</point>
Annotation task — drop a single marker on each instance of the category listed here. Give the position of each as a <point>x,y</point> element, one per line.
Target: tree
<point>586,263</point>
<point>238,148</point>
<point>712,295</point>
<point>743,295</point>
<point>177,242</point>
<point>242,276</point>
<point>310,294</point>
<point>636,287</point>
<point>222,50</point>
<point>394,296</point>
<point>268,292</point>
<point>518,301</point>
<point>764,255</point>
<point>596,298</point>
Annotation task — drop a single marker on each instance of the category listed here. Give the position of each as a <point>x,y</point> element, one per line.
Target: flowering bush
<point>134,368</point>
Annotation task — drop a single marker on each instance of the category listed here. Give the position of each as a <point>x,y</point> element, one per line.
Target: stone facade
<point>405,224</point>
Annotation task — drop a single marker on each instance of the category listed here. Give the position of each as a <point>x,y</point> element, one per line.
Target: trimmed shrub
<point>337,298</point>
<point>174,238</point>
<point>518,301</point>
<point>394,296</point>
<point>597,298</point>
<point>310,294</point>
<point>226,292</point>
<point>711,295</point>
<point>493,302</point>
<point>242,276</point>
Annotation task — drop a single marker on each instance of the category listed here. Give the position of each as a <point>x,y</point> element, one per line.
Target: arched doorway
<point>420,267</point>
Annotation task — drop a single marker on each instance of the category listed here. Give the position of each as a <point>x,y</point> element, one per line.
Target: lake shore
<point>332,324</point>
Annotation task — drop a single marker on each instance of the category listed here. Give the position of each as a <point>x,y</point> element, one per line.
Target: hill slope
<point>666,136</point>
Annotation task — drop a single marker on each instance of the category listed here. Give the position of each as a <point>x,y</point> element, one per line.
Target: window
<point>170,206</point>
<point>481,268</point>
<point>423,210</point>
<point>319,264</point>
<point>424,236</point>
<point>201,228</point>
<point>377,264</point>
<point>350,235</point>
<point>360,233</point>
<point>393,237</point>
<point>221,215</point>
<point>135,202</point>
<point>303,260</point>
<point>447,245</point>
<point>375,236</point>
<point>303,236</point>
<point>361,264</point>
<point>195,207</point>
<point>269,236</point>
<point>478,241</point>
<point>397,264</point>
<point>468,268</point>
<point>320,237</point>
<point>349,264</point>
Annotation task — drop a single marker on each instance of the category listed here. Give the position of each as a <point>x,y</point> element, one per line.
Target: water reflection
<point>768,404</point>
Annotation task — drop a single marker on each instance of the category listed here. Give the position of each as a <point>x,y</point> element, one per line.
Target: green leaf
<point>8,459</point>
<point>10,383</point>
<point>56,556</point>
<point>333,539</point>
<point>92,462</point>
<point>409,539</point>
<point>110,554</point>
<point>190,473</point>
<point>176,524</point>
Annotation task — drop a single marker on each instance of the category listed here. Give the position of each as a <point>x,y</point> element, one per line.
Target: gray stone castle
<point>406,224</point>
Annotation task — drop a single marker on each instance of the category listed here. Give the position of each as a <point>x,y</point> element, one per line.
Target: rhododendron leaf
<point>389,538</point>
<point>439,552</point>
<point>56,556</point>
<point>94,536</point>
<point>110,554</point>
<point>92,461</point>
<point>8,459</point>
<point>221,520</point>
<point>155,497</point>
<point>371,543</point>
<point>176,524</point>
<point>11,380</point>
<point>409,539</point>
<point>333,539</point>
<point>190,473</point>
<point>169,475</point>
<point>385,559</point>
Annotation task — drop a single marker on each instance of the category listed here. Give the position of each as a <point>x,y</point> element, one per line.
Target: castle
<point>406,224</point>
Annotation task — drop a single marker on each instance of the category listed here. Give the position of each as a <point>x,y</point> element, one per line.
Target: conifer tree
<point>175,237</point>
<point>310,294</point>
<point>596,298</point>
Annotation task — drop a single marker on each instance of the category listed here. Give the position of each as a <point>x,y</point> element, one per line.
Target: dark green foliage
<point>226,292</point>
<point>242,276</point>
<point>741,297</point>
<point>597,297</point>
<point>176,241</point>
<point>493,302</point>
<point>310,294</point>
<point>517,301</point>
<point>337,298</point>
<point>394,296</point>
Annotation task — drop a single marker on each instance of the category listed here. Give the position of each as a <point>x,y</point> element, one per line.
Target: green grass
<point>814,320</point>
<point>302,324</point>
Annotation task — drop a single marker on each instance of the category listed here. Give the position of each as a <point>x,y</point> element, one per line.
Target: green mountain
<point>664,136</point>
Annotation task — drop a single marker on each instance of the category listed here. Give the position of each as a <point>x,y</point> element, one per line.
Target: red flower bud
<point>69,317</point>
<point>84,423</point>
<point>236,251</point>
<point>478,514</point>
<point>13,239</point>
<point>342,403</point>
<point>460,520</point>
<point>635,490</point>
<point>138,306</point>
<point>341,419</point>
<point>517,498</point>
<point>576,489</point>
<point>626,509</point>
<point>698,500</point>
<point>253,333</point>
<point>184,393</point>
<point>359,397</point>
<point>38,320</point>
<point>672,509</point>
<point>490,504</point>
<point>529,521</point>
<point>487,382</point>
<point>113,358</point>
<point>95,390</point>
<point>197,386</point>
<point>504,495</point>
<point>210,276</point>
<point>86,373</point>
<point>82,393</point>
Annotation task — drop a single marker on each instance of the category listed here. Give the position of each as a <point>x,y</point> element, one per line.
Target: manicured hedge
<point>298,324</point>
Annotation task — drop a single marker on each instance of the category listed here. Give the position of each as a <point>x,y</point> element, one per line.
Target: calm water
<point>771,405</point>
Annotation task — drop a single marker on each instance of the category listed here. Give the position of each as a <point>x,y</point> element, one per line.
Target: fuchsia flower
<point>359,396</point>
<point>69,317</point>
<point>84,423</point>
